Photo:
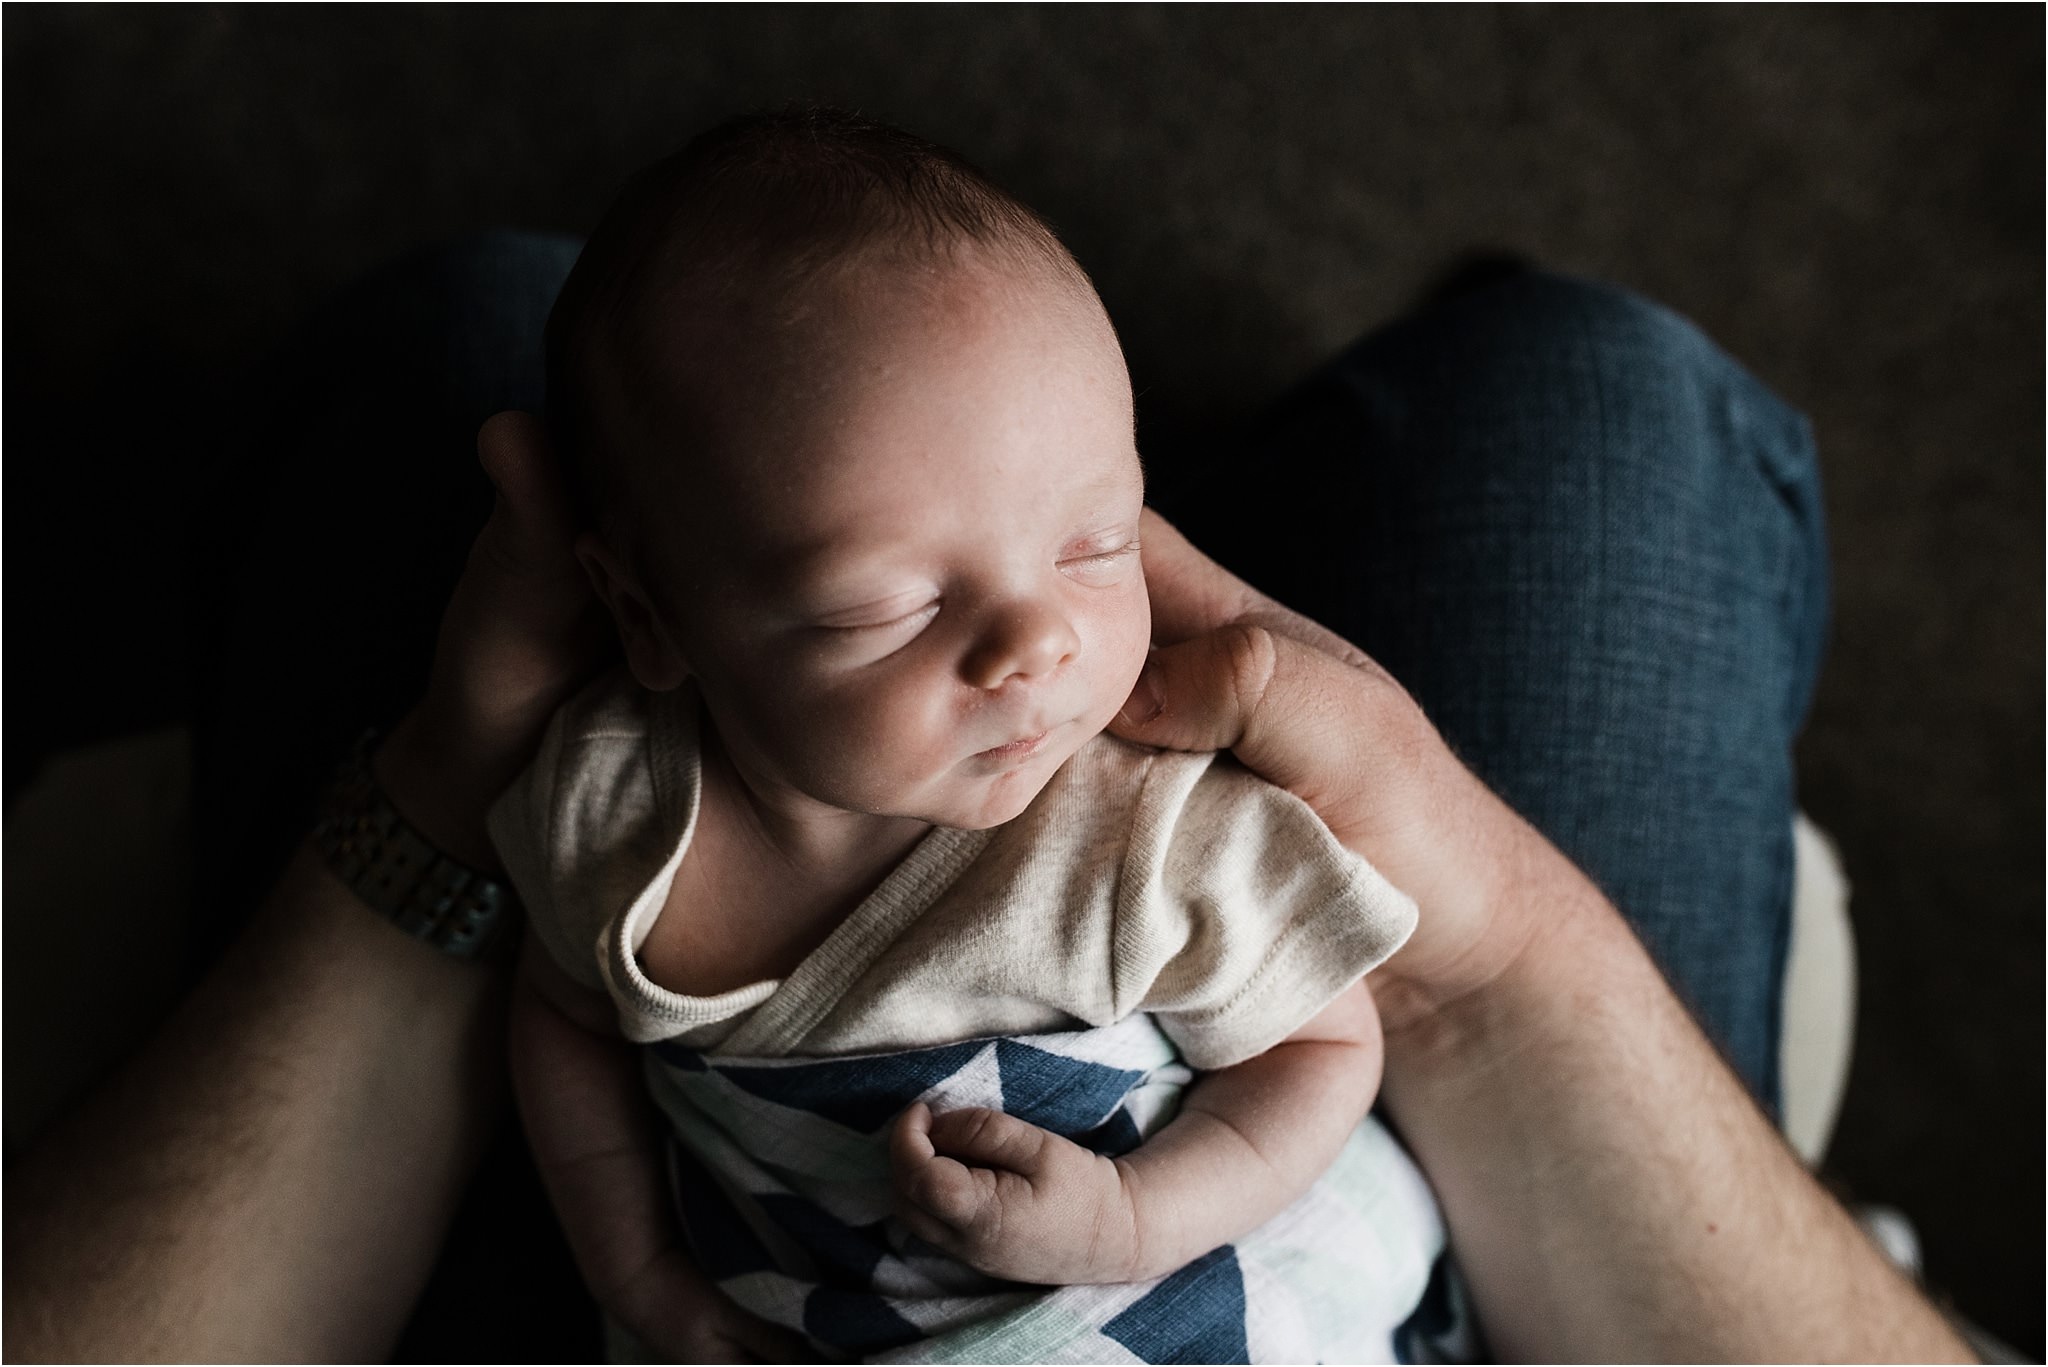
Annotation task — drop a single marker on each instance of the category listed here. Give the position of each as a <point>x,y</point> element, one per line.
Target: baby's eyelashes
<point>1103,565</point>
<point>916,616</point>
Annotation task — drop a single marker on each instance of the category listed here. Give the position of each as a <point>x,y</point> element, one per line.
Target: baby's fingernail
<point>1146,698</point>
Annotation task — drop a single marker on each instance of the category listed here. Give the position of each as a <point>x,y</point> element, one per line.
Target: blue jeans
<point>1585,539</point>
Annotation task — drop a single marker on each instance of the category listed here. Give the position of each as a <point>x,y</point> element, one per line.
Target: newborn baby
<point>950,998</point>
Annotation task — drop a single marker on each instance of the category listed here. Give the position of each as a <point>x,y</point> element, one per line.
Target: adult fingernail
<point>1147,698</point>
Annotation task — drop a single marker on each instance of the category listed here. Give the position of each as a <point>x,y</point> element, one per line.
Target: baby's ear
<point>651,653</point>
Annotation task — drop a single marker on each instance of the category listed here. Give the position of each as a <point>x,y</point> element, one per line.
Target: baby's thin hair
<point>751,210</point>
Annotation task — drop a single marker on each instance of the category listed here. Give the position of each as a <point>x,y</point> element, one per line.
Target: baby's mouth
<point>1020,749</point>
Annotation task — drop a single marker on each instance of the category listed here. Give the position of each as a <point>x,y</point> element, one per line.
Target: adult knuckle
<point>1250,657</point>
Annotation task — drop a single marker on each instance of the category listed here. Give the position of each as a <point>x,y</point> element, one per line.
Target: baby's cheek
<point>872,752</point>
<point>1127,640</point>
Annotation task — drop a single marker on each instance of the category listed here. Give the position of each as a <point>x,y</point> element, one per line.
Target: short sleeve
<point>1239,915</point>
<point>521,824</point>
<point>581,831</point>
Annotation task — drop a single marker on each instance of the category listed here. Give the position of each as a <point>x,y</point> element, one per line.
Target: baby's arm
<point>1017,1201</point>
<point>595,1140</point>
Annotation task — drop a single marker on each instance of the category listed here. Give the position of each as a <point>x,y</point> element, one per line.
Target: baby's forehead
<point>721,375</point>
<point>788,428</point>
<point>783,320</point>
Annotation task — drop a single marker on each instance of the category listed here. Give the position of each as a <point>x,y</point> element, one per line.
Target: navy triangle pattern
<point>1113,1138</point>
<point>1067,1096</point>
<point>1196,1315</point>
<point>777,1193</point>
<point>863,1094</point>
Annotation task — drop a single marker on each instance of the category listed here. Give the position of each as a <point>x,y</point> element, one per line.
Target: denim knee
<point>1582,415</point>
<point>1614,345</point>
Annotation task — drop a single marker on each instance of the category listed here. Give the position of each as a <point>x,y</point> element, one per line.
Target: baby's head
<point>854,437</point>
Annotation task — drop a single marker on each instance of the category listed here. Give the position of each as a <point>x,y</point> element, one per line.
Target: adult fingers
<point>1191,594</point>
<point>674,1311</point>
<point>523,626</point>
<point>521,632</point>
<point>533,522</point>
<point>532,526</point>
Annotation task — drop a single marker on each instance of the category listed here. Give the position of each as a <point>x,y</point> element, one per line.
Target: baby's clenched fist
<point>1013,1200</point>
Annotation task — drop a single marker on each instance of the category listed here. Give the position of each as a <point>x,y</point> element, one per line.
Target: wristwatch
<point>399,873</point>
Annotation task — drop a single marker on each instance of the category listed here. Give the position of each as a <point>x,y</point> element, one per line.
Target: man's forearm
<point>1612,1192</point>
<point>271,1178</point>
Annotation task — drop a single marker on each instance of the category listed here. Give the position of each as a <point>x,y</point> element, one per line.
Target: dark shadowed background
<point>1849,199</point>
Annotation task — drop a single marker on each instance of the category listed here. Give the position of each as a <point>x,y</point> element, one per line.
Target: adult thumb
<point>1197,694</point>
<point>1295,715</point>
<point>533,504</point>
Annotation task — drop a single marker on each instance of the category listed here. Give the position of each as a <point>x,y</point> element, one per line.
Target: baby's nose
<point>1021,640</point>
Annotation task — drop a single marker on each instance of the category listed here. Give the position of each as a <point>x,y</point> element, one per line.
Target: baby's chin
<point>991,800</point>
<point>990,815</point>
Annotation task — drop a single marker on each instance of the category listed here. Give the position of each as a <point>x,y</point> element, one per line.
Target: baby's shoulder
<point>613,776</point>
<point>591,820</point>
<point>1114,801</point>
<point>613,706</point>
<point>1120,785</point>
<point>1109,771</point>
<point>615,735</point>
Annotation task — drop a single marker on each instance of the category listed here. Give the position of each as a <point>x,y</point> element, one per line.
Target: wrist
<point>1490,890</point>
<point>1549,939</point>
<point>1129,1246</point>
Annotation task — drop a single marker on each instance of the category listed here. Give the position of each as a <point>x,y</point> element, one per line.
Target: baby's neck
<point>824,848</point>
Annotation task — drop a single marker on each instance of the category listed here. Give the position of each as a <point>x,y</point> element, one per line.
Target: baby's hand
<point>1011,1199</point>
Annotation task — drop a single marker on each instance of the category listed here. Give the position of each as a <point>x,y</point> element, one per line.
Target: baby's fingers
<point>935,1195</point>
<point>910,1138</point>
<point>982,1138</point>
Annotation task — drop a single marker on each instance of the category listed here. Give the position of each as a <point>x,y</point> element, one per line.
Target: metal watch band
<point>398,873</point>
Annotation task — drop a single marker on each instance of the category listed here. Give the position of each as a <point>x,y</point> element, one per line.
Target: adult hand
<point>522,631</point>
<point>1309,711</point>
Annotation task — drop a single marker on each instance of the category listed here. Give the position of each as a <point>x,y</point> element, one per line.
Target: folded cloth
<point>780,1171</point>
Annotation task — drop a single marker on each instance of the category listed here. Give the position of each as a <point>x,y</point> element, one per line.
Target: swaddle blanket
<point>780,1170</point>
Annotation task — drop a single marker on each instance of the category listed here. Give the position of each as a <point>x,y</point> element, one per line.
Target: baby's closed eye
<point>915,617</point>
<point>1103,566</point>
